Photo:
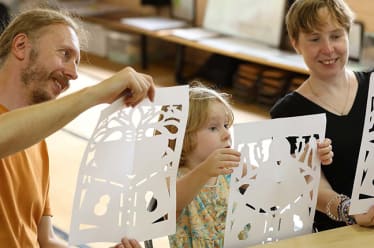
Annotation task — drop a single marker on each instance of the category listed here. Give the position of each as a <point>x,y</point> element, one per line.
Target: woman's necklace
<point>326,103</point>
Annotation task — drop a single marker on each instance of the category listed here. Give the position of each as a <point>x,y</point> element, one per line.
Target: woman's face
<point>325,50</point>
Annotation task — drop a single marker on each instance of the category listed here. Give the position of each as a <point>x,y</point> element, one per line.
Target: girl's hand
<point>325,153</point>
<point>221,161</point>
<point>128,243</point>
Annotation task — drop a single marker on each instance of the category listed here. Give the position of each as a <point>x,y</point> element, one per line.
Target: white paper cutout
<point>130,162</point>
<point>363,188</point>
<point>276,197</point>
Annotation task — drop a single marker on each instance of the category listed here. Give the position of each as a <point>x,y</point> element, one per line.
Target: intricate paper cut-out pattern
<point>363,189</point>
<point>273,192</point>
<point>126,182</point>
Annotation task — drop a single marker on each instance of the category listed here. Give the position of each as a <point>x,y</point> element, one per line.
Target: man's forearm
<point>26,126</point>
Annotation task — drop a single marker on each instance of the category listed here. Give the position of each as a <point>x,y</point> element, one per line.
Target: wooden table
<point>343,237</point>
<point>113,21</point>
<point>262,55</point>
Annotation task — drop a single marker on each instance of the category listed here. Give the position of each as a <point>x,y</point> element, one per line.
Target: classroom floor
<point>67,145</point>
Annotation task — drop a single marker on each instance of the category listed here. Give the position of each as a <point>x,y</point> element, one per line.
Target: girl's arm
<point>189,185</point>
<point>219,162</point>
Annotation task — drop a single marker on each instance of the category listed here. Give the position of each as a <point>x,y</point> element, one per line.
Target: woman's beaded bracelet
<point>345,205</point>
<point>344,202</point>
<point>328,208</point>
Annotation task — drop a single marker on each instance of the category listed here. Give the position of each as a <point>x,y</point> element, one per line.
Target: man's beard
<point>36,75</point>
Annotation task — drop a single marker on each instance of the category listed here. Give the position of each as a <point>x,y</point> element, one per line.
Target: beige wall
<point>200,9</point>
<point>364,10</point>
<point>133,5</point>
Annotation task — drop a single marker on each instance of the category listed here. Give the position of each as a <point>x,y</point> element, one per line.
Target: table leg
<point>144,54</point>
<point>179,64</point>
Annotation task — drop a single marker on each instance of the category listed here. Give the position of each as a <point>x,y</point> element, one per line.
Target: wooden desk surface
<point>264,55</point>
<point>343,237</point>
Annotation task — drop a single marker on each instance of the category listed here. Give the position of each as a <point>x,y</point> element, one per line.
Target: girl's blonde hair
<point>200,97</point>
<point>303,16</point>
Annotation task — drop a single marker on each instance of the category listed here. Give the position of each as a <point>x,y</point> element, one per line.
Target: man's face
<point>52,62</point>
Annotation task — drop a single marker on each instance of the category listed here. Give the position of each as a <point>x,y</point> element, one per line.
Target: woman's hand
<point>325,153</point>
<point>366,219</point>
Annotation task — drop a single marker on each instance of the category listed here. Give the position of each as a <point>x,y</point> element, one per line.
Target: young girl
<point>204,171</point>
<point>207,160</point>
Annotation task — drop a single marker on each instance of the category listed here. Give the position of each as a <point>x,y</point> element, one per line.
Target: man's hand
<point>127,83</point>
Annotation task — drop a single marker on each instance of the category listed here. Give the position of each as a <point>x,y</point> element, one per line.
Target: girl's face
<point>214,134</point>
<point>325,51</point>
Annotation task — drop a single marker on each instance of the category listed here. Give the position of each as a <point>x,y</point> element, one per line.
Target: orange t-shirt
<point>24,197</point>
